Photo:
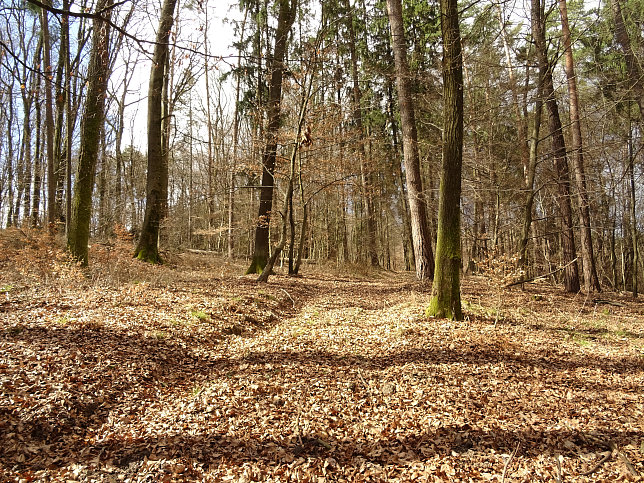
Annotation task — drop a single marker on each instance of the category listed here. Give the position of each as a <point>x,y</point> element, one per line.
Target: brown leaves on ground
<point>189,372</point>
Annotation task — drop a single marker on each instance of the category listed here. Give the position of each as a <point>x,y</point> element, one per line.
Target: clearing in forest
<point>190,372</point>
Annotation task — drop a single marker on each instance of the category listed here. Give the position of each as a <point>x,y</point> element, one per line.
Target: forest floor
<point>191,372</point>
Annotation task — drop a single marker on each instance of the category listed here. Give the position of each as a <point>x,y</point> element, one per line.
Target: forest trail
<point>189,372</point>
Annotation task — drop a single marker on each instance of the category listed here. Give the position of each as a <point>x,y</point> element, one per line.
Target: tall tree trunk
<point>35,205</point>
<point>25,158</point>
<point>286,17</point>
<point>365,171</point>
<point>147,248</point>
<point>209,128</point>
<point>521,120</point>
<point>233,165</point>
<point>10,160</point>
<point>633,212</point>
<point>633,67</point>
<point>591,280</point>
<point>288,201</point>
<point>446,290</point>
<point>52,179</point>
<point>636,77</point>
<point>118,147</point>
<point>92,122</point>
<point>403,205</point>
<point>571,271</point>
<point>419,231</point>
<point>58,142</point>
<point>530,173</point>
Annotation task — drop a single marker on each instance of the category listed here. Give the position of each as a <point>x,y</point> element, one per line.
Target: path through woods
<point>190,372</point>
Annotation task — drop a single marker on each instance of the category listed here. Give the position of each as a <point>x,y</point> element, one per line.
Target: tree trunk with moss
<point>286,17</point>
<point>446,290</point>
<point>92,122</point>
<point>147,248</point>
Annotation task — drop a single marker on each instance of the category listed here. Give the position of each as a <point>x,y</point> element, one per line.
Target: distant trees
<point>217,154</point>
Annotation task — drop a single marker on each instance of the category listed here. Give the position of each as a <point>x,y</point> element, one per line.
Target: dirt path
<point>190,376</point>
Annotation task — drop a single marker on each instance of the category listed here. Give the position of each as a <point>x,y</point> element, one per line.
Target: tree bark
<point>147,248</point>
<point>446,291</point>
<point>233,166</point>
<point>530,175</point>
<point>37,178</point>
<point>633,212</point>
<point>591,280</point>
<point>633,67</point>
<point>52,174</point>
<point>417,207</point>
<point>571,273</point>
<point>61,94</point>
<point>10,160</point>
<point>286,17</point>
<point>92,122</point>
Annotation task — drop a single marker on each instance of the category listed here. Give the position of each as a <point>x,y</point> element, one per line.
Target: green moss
<point>200,314</point>
<point>442,309</point>
<point>160,335</point>
<point>149,256</point>
<point>257,265</point>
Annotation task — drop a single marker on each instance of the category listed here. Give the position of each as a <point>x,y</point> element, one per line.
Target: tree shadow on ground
<point>209,450</point>
<point>472,354</point>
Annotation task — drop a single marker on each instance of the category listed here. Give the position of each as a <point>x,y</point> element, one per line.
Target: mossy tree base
<point>149,256</point>
<point>444,309</point>
<point>257,265</point>
<point>446,290</point>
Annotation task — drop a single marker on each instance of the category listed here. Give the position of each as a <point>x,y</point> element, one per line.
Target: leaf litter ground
<point>189,372</point>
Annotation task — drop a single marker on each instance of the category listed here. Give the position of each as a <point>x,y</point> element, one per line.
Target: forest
<point>305,111</point>
<point>334,240</point>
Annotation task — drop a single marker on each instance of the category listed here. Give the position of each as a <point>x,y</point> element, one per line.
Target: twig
<point>629,466</point>
<point>366,386</point>
<point>297,419</point>
<point>532,279</point>
<point>507,463</point>
<point>323,443</point>
<point>559,473</point>
<point>605,458</point>
<point>607,302</point>
<point>289,296</point>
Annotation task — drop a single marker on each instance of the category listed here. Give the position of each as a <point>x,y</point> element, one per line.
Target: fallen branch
<point>528,280</point>
<point>605,458</point>
<point>558,459</point>
<point>507,463</point>
<point>607,302</point>
<point>629,466</point>
<point>289,296</point>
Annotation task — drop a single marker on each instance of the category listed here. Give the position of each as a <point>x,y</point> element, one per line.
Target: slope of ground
<point>189,372</point>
